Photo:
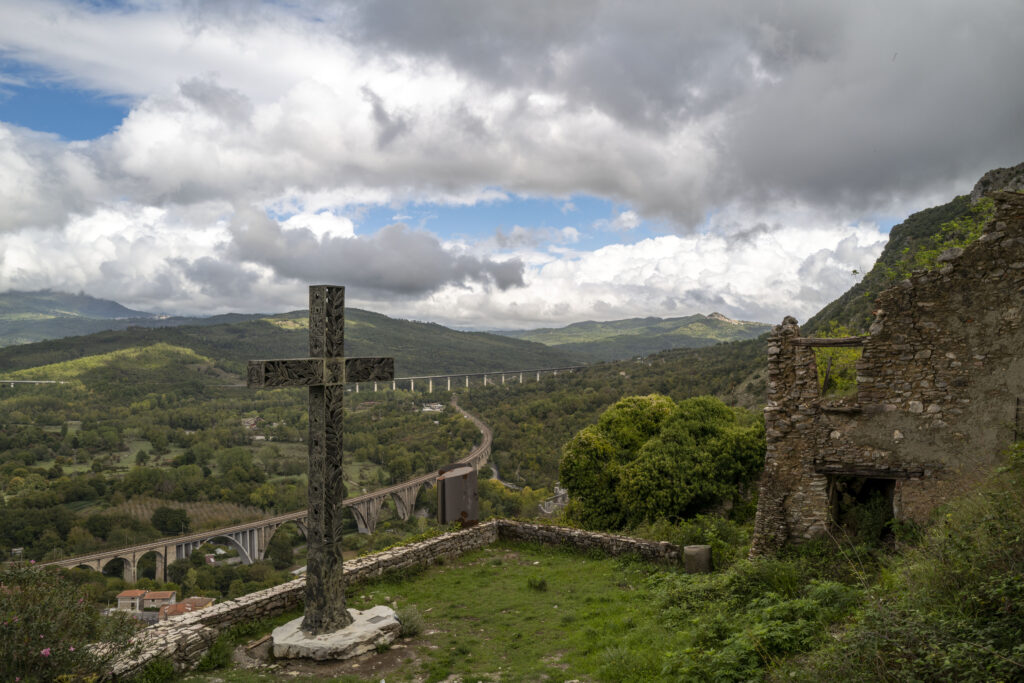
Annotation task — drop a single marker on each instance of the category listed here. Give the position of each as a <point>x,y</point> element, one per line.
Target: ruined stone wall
<point>185,639</point>
<point>939,388</point>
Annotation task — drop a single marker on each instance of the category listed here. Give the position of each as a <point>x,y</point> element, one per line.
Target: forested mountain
<point>621,339</point>
<point>418,348</point>
<point>27,317</point>
<point>925,233</point>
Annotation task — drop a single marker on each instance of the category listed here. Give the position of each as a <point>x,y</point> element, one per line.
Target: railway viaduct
<point>251,539</point>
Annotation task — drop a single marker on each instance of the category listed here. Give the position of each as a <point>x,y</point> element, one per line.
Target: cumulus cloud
<point>793,270</point>
<point>395,260</point>
<point>520,236</point>
<point>624,221</point>
<point>729,124</point>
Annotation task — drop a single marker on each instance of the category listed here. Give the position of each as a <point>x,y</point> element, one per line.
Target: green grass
<point>481,617</point>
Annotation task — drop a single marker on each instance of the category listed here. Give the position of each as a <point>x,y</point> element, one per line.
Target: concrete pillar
<point>503,379</point>
<point>357,387</point>
<point>538,376</point>
<point>405,499</point>
<point>366,514</point>
<point>449,383</point>
<point>129,569</point>
<point>430,385</point>
<point>467,381</point>
<point>375,387</point>
<point>393,383</point>
<point>412,385</point>
<point>697,559</point>
<point>485,380</point>
<point>520,378</point>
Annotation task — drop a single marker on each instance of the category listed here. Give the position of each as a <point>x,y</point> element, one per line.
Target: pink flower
<point>45,652</point>
<point>31,561</point>
<point>71,649</point>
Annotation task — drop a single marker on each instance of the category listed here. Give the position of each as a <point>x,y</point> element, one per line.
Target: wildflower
<point>45,652</point>
<point>31,561</point>
<point>71,648</point>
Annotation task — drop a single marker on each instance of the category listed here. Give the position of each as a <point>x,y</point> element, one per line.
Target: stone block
<point>697,559</point>
<point>369,629</point>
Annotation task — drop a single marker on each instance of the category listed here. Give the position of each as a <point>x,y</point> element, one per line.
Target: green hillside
<point>27,317</point>
<point>619,339</point>
<point>49,304</point>
<point>418,348</point>
<point>854,308</point>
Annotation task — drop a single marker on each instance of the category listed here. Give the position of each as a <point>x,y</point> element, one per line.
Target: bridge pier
<point>412,385</point>
<point>503,379</point>
<point>467,381</point>
<point>405,500</point>
<point>449,383</point>
<point>520,378</point>
<point>366,513</point>
<point>430,385</point>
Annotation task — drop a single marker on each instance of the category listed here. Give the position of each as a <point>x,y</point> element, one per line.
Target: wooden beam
<point>822,341</point>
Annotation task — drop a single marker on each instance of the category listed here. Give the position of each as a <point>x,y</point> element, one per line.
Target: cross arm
<point>310,372</point>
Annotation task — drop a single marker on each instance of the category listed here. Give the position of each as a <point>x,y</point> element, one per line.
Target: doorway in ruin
<point>862,507</point>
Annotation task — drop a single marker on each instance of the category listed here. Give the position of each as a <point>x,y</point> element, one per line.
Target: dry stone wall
<point>184,639</point>
<point>939,391</point>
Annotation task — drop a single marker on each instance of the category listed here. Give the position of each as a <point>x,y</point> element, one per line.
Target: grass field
<point>509,612</point>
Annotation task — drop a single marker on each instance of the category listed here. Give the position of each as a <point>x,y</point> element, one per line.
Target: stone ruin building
<point>940,386</point>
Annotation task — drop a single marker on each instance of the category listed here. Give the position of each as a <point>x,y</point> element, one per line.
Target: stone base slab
<point>369,629</point>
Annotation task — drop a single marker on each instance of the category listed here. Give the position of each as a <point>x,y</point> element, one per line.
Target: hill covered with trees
<point>622,339</point>
<point>418,348</point>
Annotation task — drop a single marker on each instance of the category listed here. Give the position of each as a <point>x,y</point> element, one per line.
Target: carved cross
<point>325,373</point>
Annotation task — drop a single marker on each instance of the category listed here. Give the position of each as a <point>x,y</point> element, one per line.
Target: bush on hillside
<point>649,458</point>
<point>50,630</point>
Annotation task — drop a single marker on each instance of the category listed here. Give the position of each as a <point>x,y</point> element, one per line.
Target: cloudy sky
<point>489,163</point>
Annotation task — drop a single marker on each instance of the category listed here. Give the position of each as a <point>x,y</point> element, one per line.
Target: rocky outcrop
<point>998,179</point>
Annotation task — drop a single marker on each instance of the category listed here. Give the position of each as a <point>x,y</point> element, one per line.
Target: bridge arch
<point>243,552</point>
<point>127,567</point>
<point>158,566</point>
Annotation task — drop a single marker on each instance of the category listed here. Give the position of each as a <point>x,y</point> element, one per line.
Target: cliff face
<point>997,179</point>
<point>940,393</point>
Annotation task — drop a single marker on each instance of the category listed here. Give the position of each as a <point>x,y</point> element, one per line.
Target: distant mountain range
<point>29,317</point>
<point>418,348</point>
<point>619,339</point>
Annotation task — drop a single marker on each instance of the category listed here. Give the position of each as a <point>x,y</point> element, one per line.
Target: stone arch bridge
<point>252,538</point>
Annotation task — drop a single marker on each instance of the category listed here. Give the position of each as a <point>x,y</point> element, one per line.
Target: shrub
<point>411,622</point>
<point>49,629</point>
<point>537,584</point>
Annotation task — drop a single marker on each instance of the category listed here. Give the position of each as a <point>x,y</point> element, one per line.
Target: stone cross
<point>325,373</point>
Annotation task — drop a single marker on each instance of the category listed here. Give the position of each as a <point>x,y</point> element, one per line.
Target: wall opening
<point>862,507</point>
<point>837,371</point>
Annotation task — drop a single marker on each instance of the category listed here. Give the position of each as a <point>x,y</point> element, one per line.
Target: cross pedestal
<point>325,373</point>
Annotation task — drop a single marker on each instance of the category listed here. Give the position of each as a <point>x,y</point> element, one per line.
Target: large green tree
<point>649,458</point>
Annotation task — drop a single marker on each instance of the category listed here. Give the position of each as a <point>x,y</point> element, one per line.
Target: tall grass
<point>951,608</point>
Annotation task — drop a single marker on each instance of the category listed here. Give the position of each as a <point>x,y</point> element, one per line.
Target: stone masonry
<point>940,387</point>
<point>184,639</point>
